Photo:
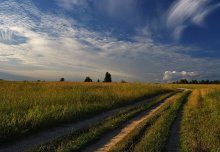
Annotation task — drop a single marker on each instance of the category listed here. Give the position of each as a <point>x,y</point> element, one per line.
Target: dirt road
<point>49,135</point>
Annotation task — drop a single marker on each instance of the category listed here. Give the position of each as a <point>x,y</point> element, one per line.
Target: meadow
<point>30,107</point>
<point>27,107</point>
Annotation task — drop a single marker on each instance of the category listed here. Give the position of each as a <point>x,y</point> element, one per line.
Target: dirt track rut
<point>111,139</point>
<point>174,138</point>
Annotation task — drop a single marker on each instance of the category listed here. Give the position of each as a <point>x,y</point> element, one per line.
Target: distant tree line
<point>107,79</point>
<point>184,81</point>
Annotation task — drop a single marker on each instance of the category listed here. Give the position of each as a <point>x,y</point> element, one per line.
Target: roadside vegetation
<point>200,127</point>
<point>80,139</point>
<point>26,107</point>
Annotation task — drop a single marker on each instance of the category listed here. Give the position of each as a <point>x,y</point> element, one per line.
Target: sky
<point>134,40</point>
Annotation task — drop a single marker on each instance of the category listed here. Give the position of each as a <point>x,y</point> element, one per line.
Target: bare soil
<point>174,138</point>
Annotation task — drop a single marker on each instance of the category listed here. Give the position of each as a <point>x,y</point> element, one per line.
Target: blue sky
<point>134,40</point>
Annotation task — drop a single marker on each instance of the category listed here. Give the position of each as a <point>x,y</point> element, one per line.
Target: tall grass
<point>27,107</point>
<point>200,127</point>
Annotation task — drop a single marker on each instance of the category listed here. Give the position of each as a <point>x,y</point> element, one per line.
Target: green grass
<point>156,136</point>
<point>200,127</point>
<point>80,139</point>
<point>26,107</point>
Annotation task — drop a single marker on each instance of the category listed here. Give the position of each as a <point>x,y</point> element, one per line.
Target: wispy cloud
<point>55,46</point>
<point>186,12</point>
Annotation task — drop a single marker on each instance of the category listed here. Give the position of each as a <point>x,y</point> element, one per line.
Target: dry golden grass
<point>29,106</point>
<point>200,127</point>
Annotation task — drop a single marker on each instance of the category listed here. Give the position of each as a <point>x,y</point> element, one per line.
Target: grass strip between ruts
<point>156,136</point>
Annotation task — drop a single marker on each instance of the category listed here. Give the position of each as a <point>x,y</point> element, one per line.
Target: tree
<point>183,81</point>
<point>108,77</point>
<point>98,80</point>
<point>123,81</point>
<point>62,79</point>
<point>88,79</point>
<point>194,82</point>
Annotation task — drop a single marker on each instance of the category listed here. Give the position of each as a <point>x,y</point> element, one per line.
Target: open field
<point>138,117</point>
<point>28,107</point>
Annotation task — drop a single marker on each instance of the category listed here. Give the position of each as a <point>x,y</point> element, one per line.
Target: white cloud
<point>56,46</point>
<point>5,34</point>
<point>174,75</point>
<point>185,12</point>
<point>53,44</point>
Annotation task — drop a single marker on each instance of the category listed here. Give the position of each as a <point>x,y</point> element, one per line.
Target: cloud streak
<point>186,12</point>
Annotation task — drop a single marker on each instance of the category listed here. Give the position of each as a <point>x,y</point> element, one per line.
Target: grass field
<point>30,107</point>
